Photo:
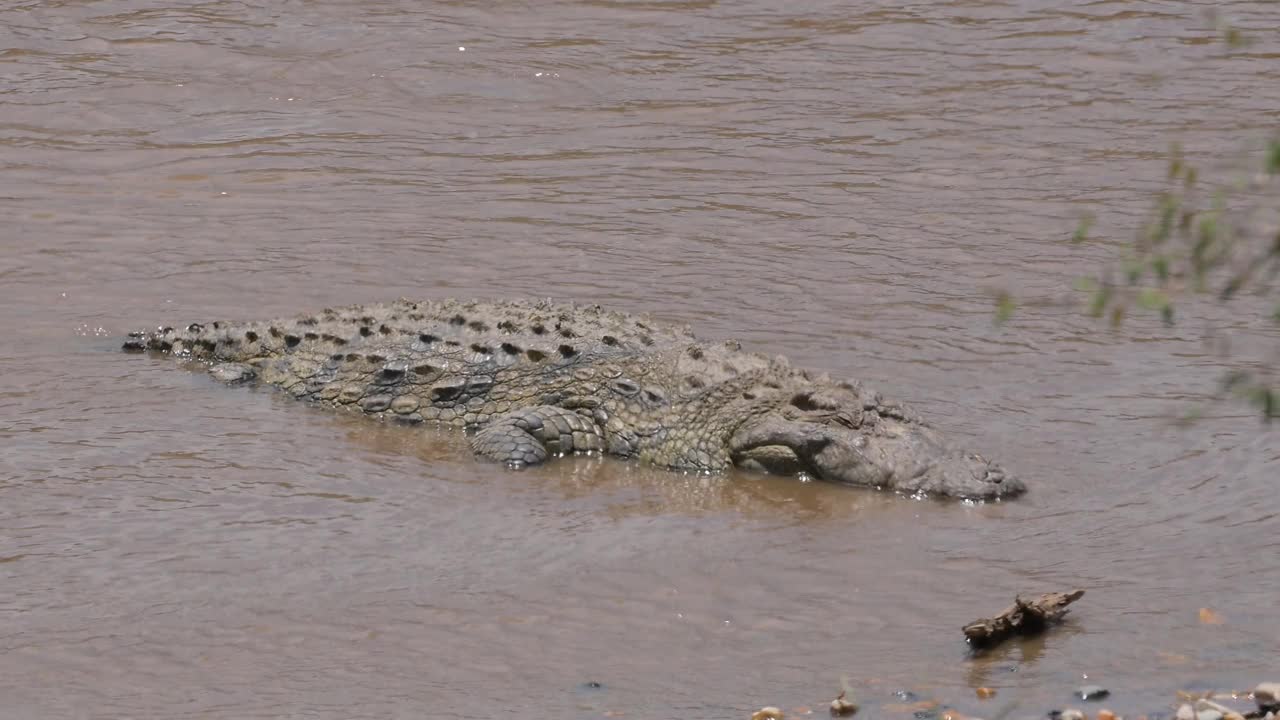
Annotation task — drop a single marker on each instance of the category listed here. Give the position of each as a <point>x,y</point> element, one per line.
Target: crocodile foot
<point>530,435</point>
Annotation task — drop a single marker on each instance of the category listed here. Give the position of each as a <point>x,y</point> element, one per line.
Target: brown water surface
<point>839,182</point>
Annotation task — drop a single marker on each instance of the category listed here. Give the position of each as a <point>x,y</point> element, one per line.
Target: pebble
<point>1209,617</point>
<point>1208,714</point>
<point>1092,692</point>
<point>768,713</point>
<point>1106,715</point>
<point>1071,714</point>
<point>841,707</point>
<point>1267,695</point>
<point>1185,712</point>
<point>985,692</point>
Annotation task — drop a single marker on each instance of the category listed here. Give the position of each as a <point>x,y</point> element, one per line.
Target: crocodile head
<point>843,433</point>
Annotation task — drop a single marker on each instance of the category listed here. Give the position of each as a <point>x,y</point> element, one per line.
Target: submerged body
<point>534,380</point>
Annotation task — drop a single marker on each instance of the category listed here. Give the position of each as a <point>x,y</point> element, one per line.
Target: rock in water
<point>1092,692</point>
<point>1267,696</point>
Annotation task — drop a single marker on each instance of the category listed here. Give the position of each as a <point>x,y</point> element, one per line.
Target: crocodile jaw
<point>902,456</point>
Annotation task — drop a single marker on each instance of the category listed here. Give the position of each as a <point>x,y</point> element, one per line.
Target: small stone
<point>1267,696</point>
<point>1209,617</point>
<point>1106,715</point>
<point>985,693</point>
<point>1071,714</point>
<point>841,707</point>
<point>768,713</point>
<point>1209,714</point>
<point>1185,712</point>
<point>1092,692</point>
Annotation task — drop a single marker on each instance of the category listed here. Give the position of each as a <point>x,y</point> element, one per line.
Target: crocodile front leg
<point>530,435</point>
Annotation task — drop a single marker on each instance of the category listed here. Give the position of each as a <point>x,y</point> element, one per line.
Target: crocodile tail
<point>195,340</point>
<point>214,341</point>
<point>160,340</point>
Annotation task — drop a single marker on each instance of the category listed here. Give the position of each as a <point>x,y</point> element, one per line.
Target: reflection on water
<point>837,183</point>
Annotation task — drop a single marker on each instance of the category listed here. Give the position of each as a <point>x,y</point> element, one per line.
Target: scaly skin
<point>534,380</point>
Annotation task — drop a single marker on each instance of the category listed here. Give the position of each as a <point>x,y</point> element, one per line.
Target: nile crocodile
<point>532,380</point>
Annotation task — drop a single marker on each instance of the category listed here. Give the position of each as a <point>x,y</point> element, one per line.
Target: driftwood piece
<point>1024,617</point>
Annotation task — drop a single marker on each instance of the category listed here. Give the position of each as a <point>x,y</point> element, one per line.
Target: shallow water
<point>840,183</point>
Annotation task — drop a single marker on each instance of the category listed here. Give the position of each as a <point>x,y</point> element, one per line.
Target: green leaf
<point>1168,211</point>
<point>1098,304</point>
<point>1191,415</point>
<point>1184,220</point>
<point>1160,264</point>
<point>1175,160</point>
<point>1086,284</point>
<point>1233,380</point>
<point>1005,305</point>
<point>1234,38</point>
<point>1265,399</point>
<point>1273,157</point>
<point>1166,314</point>
<point>1232,287</point>
<point>1133,270</point>
<point>1207,233</point>
<point>1082,229</point>
<point>1152,299</point>
<point>1209,228</point>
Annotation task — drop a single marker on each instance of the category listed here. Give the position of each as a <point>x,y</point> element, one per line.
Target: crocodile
<point>532,380</point>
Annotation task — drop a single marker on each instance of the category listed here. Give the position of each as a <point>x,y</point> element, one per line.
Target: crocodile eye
<point>814,402</point>
<point>625,387</point>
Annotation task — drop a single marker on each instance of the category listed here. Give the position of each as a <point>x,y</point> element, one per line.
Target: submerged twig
<point>1024,617</point>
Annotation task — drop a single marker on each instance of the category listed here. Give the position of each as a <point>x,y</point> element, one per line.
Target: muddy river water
<point>838,182</point>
